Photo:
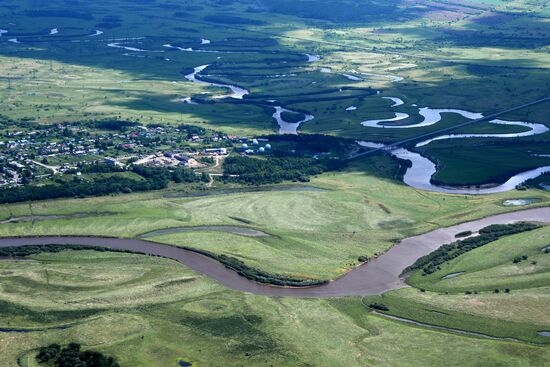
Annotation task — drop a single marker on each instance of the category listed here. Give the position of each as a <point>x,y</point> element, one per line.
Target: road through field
<point>377,276</point>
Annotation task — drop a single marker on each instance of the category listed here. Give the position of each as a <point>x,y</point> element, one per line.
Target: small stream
<point>236,92</point>
<point>452,275</point>
<point>534,129</point>
<point>396,101</point>
<point>35,218</point>
<point>97,33</point>
<point>431,116</point>
<point>437,327</point>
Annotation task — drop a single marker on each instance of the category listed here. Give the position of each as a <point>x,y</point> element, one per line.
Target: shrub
<point>463,234</point>
<point>46,354</point>
<point>379,307</point>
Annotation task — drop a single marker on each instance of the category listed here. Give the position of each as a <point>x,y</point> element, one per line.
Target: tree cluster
<point>73,356</point>
<point>113,125</point>
<point>313,143</point>
<point>431,262</point>
<point>22,251</point>
<point>274,169</point>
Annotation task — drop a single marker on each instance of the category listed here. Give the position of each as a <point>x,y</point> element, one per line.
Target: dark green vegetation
<point>73,356</point>
<point>431,263</point>
<point>292,117</point>
<point>513,156</point>
<point>463,234</point>
<point>145,179</point>
<point>537,183</point>
<point>115,125</point>
<point>310,145</point>
<point>258,171</point>
<point>259,275</point>
<point>291,158</point>
<point>18,252</point>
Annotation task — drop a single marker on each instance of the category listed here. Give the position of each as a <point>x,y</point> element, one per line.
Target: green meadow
<point>495,290</point>
<point>483,56</point>
<point>313,234</point>
<point>149,312</point>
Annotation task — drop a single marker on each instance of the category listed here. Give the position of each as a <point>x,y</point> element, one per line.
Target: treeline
<point>431,262</point>
<point>73,356</point>
<point>533,183</point>
<point>22,251</point>
<point>313,143</point>
<point>272,170</point>
<point>258,275</point>
<point>151,179</point>
<point>113,125</point>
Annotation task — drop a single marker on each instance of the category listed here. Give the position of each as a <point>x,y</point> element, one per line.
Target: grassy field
<point>492,266</point>
<point>491,295</point>
<point>148,312</point>
<point>317,234</point>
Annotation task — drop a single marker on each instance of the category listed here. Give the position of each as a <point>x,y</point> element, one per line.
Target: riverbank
<point>375,277</point>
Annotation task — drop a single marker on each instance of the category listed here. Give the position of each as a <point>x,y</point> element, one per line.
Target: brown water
<point>377,276</point>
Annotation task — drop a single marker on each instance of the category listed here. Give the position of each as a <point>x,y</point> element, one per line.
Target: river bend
<point>377,276</point>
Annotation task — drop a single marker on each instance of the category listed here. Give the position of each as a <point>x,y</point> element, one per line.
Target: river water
<point>377,276</point>
<point>420,173</point>
<point>236,92</point>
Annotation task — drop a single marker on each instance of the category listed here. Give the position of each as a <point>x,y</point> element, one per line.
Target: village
<point>31,155</point>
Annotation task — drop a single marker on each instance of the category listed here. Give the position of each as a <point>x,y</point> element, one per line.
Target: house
<point>216,151</point>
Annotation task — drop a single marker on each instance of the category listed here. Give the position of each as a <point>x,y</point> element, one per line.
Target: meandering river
<point>420,173</point>
<point>422,169</point>
<point>377,276</point>
<point>236,92</point>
